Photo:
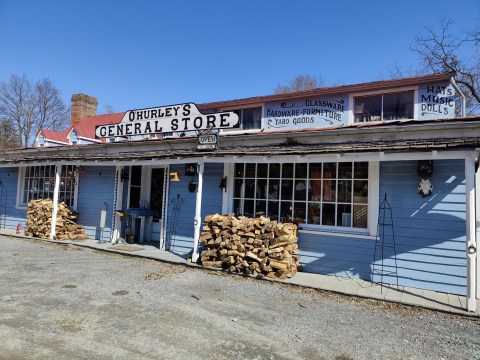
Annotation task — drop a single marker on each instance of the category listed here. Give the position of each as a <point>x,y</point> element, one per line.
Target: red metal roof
<point>59,136</point>
<point>85,128</point>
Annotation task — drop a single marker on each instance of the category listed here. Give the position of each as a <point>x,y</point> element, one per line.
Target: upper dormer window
<point>390,106</point>
<point>73,138</point>
<point>40,140</point>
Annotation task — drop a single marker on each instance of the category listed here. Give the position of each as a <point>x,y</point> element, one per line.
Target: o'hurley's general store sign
<point>182,117</point>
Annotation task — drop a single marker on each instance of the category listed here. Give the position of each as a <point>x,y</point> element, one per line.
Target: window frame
<point>41,141</point>
<point>137,187</point>
<point>240,119</point>
<point>73,138</point>
<point>371,202</point>
<point>353,96</point>
<point>20,204</point>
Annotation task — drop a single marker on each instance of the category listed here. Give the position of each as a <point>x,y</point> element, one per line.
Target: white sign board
<point>173,118</point>
<point>436,101</point>
<point>207,141</point>
<point>306,113</point>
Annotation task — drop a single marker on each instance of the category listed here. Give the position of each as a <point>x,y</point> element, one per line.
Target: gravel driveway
<point>64,302</point>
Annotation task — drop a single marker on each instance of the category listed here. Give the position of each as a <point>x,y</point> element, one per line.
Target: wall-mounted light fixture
<point>223,184</point>
<point>425,168</point>
<point>175,175</point>
<point>192,186</point>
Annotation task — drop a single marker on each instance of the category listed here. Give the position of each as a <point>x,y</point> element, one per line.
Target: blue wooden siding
<point>96,187</point>
<point>10,216</point>
<point>180,228</point>
<point>430,233</point>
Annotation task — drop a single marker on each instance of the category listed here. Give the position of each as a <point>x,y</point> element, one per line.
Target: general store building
<point>350,164</point>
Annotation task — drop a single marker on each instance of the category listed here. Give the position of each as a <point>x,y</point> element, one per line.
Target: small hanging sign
<point>207,140</point>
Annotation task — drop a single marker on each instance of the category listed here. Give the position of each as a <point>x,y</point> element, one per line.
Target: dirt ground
<point>66,302</point>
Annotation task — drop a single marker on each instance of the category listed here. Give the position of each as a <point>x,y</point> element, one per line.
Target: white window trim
<point>345,234</point>
<point>20,185</point>
<point>373,196</point>
<point>351,100</point>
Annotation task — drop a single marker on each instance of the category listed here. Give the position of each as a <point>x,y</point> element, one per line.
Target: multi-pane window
<point>384,107</point>
<point>39,183</point>
<point>330,193</point>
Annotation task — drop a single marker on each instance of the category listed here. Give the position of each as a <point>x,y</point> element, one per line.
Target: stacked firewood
<point>257,247</point>
<point>39,221</point>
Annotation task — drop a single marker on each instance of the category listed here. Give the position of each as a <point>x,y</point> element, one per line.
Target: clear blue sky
<point>137,54</point>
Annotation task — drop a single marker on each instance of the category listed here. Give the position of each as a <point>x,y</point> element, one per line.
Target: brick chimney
<point>82,106</point>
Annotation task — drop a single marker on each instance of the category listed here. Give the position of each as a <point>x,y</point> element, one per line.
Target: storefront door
<point>157,202</point>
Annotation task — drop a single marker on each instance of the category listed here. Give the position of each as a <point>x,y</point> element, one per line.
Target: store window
<point>392,106</point>
<point>328,194</point>
<point>249,119</point>
<point>39,183</point>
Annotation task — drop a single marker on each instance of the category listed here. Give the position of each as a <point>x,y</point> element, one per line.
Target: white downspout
<point>197,222</point>
<point>58,169</point>
<point>462,95</point>
<point>477,229</point>
<point>471,246</point>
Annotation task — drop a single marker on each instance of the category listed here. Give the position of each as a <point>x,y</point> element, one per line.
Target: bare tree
<point>17,107</point>
<point>108,109</point>
<point>299,83</point>
<point>440,51</point>
<point>25,109</point>
<point>51,112</point>
<point>8,137</point>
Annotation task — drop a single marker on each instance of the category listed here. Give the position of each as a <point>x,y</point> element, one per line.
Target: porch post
<point>118,198</point>
<point>58,169</point>
<point>198,216</point>
<point>471,241</point>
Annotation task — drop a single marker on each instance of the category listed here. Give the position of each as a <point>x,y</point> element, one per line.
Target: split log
<point>39,221</point>
<point>258,247</point>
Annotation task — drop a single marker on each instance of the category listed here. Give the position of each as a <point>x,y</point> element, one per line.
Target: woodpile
<point>257,247</point>
<point>39,221</point>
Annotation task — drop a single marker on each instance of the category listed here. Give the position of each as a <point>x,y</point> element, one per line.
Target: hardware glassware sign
<point>173,118</point>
